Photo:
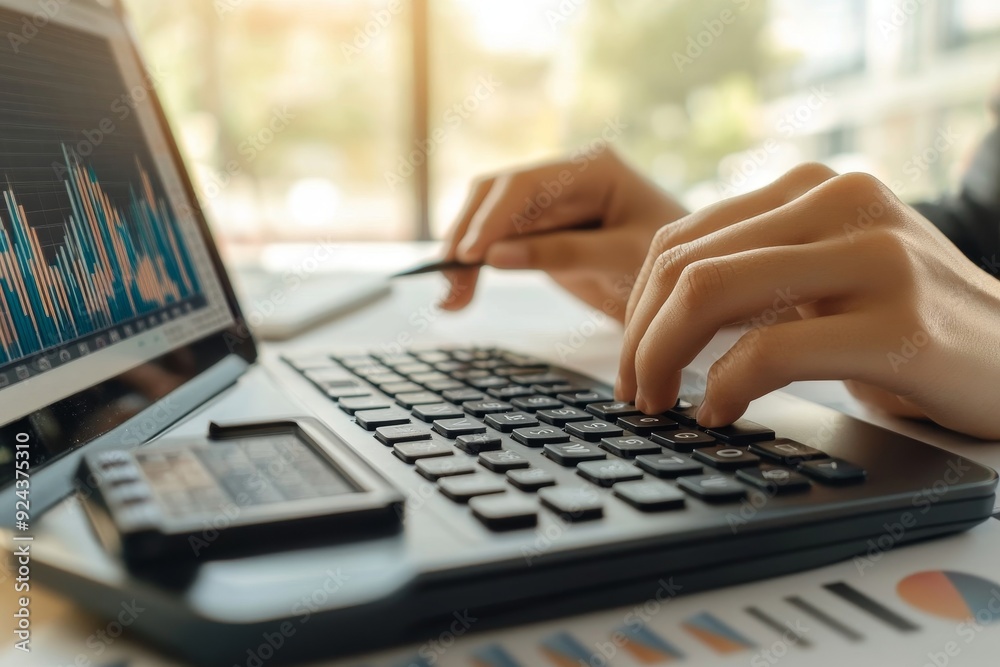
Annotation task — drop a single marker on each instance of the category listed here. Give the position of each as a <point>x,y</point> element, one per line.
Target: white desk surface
<point>538,318</point>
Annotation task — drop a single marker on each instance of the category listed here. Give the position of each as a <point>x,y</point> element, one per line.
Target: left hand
<point>878,297</point>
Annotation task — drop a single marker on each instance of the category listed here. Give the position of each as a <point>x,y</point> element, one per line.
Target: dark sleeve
<point>971,219</point>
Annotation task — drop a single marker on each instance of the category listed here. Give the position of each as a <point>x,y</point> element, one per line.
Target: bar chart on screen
<point>90,265</point>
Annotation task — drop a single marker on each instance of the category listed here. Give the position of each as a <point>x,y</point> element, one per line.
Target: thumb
<point>559,251</point>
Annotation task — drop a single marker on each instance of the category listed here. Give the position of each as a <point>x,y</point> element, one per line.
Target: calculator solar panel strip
<point>288,601</point>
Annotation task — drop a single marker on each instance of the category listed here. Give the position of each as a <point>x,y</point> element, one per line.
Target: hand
<point>880,297</point>
<point>524,220</point>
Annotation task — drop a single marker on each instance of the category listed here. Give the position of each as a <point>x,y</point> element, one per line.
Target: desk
<point>538,318</point>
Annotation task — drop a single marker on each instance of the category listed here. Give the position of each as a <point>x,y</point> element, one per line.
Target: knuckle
<point>856,188</point>
<point>702,280</point>
<point>670,263</point>
<point>756,351</point>
<point>809,174</point>
<point>662,239</point>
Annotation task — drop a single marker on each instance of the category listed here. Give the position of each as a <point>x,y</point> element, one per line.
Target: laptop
<point>265,509</point>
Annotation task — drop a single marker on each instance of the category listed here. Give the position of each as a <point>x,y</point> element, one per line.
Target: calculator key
<point>539,436</point>
<point>432,376</point>
<point>833,471</point>
<point>443,385</point>
<point>684,412</point>
<point>713,488</point>
<point>571,453</point>
<point>372,419</point>
<point>413,369</point>
<point>414,399</point>
<point>786,451</point>
<point>394,388</point>
<point>486,364</point>
<point>489,382</point>
<point>395,359</point>
<point>573,503</point>
<point>337,393</point>
<point>726,457</point>
<point>330,376</point>
<point>461,488</point>
<point>608,473</point>
<point>507,393</point>
<point>541,379</point>
<point>451,366</point>
<point>471,374</point>
<point>613,410</point>
<point>535,403</point>
<point>530,479</point>
<point>411,452</point>
<point>646,424</point>
<point>391,435</point>
<point>669,466</point>
<point>503,460</point>
<point>353,405</point>
<point>563,416</point>
<point>505,512</point>
<point>478,442</point>
<point>308,361</point>
<point>434,411</point>
<point>483,408</point>
<point>509,371</point>
<point>742,432</point>
<point>445,466</point>
<point>452,428</point>
<point>684,440</point>
<point>556,389</point>
<point>650,495</point>
<point>630,446</point>
<point>382,379</point>
<point>774,480</point>
<point>355,360</point>
<point>432,357</point>
<point>508,421</point>
<point>593,430</point>
<point>462,395</point>
<point>582,399</point>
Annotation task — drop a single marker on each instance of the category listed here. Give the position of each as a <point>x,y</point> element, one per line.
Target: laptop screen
<point>109,284</point>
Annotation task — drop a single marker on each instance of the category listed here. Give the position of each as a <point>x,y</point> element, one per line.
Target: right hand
<point>525,220</point>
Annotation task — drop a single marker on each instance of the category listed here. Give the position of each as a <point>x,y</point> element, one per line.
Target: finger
<point>754,286</point>
<point>462,284</point>
<point>789,187</point>
<point>529,202</point>
<point>764,360</point>
<point>597,250</point>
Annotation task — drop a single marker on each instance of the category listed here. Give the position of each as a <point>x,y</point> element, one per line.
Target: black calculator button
<point>463,487</point>
<point>684,440</point>
<point>742,432</point>
<point>531,479</point>
<point>714,488</point>
<point>392,435</point>
<point>478,442</point>
<point>483,408</point>
<point>411,452</point>
<point>646,424</point>
<point>540,379</point>
<point>508,421</point>
<point>444,385</point>
<point>582,399</point>
<point>411,369</point>
<point>355,360</point>
<point>563,416</point>
<point>395,359</point>
<point>308,361</point>
<point>462,395</point>
<point>472,374</point>
<point>490,382</point>
<point>385,379</point>
<point>669,466</point>
<point>395,388</point>
<point>507,393</point>
<point>445,466</point>
<point>571,453</point>
<point>539,436</point>
<point>416,398</point>
<point>726,457</point>
<point>433,411</point>
<point>433,376</point>
<point>833,471</point>
<point>608,473</point>
<point>773,479</point>
<point>556,389</point>
<point>573,503</point>
<point>650,495</point>
<point>505,512</point>
<point>328,377</point>
<point>786,451</point>
<point>432,357</point>
<point>452,428</point>
<point>684,412</point>
<point>503,460</point>
<point>345,391</point>
<point>451,366</point>
<point>372,419</point>
<point>593,430</point>
<point>612,410</point>
<point>630,446</point>
<point>535,403</point>
<point>353,405</point>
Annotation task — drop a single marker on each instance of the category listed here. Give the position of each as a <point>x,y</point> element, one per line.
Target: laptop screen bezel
<point>222,355</point>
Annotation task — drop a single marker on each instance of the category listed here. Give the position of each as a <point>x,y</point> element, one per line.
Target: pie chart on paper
<point>952,595</point>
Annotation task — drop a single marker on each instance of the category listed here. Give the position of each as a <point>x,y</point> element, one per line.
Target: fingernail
<point>705,415</point>
<point>508,256</point>
<point>463,252</point>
